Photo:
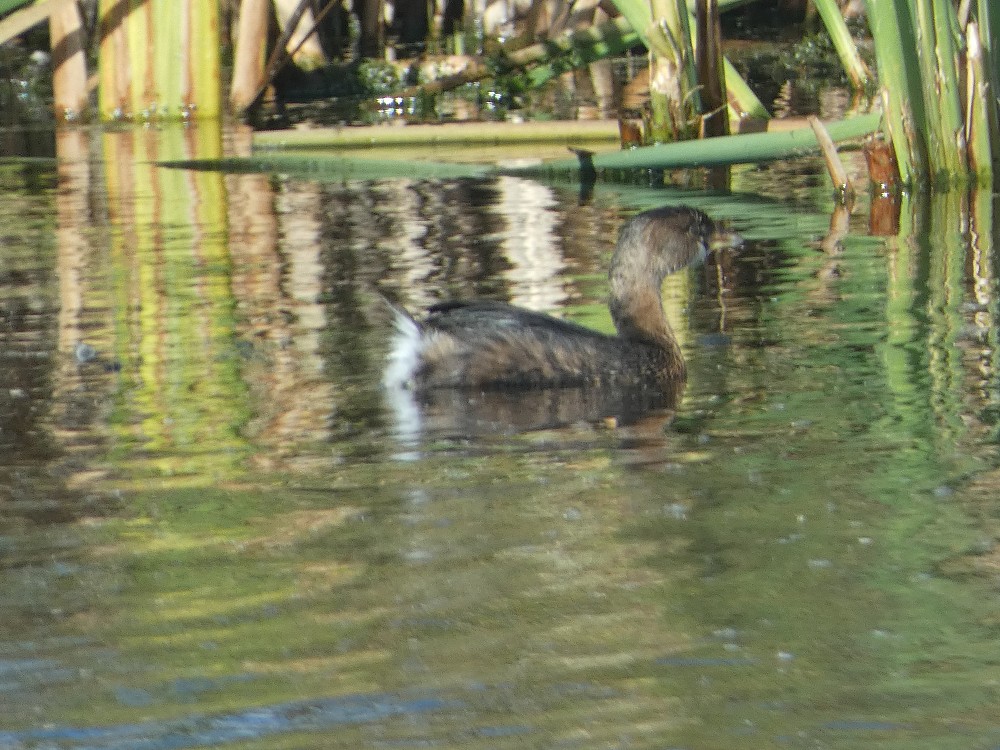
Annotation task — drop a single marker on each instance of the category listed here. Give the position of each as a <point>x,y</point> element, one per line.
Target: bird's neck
<point>637,311</point>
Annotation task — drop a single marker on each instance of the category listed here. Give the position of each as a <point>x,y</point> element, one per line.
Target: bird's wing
<point>484,318</point>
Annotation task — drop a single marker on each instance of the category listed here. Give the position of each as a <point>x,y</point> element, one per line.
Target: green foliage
<point>510,84</point>
<point>25,88</point>
<point>6,6</point>
<point>377,77</point>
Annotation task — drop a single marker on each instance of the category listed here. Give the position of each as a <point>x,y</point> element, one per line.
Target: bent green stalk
<point>843,42</point>
<point>730,149</point>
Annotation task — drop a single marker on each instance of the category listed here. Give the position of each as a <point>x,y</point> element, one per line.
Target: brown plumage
<point>493,345</point>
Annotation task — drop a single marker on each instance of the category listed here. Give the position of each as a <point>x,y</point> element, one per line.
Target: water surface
<point>214,532</point>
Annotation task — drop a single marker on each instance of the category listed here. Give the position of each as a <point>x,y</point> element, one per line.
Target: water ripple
<point>198,731</point>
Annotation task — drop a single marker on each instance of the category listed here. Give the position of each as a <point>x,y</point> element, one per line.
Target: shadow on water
<point>208,537</point>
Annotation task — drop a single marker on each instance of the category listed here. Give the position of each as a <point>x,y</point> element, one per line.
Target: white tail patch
<point>401,366</point>
<point>403,358</point>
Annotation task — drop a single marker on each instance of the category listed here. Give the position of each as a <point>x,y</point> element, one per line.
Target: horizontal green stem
<point>732,149</point>
<point>572,132</point>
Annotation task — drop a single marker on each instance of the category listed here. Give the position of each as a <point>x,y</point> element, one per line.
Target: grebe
<point>492,345</point>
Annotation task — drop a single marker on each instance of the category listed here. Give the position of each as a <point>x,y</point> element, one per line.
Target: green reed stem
<point>891,24</point>
<point>945,104</point>
<point>843,42</point>
<point>980,115</point>
<point>940,84</point>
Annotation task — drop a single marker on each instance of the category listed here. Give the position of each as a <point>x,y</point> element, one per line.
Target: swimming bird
<point>490,345</point>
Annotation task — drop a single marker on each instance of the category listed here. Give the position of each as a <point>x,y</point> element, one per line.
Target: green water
<point>211,534</point>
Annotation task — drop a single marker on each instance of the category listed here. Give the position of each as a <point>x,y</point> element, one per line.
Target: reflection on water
<point>208,539</point>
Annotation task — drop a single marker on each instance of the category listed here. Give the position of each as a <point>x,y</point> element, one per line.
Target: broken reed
<point>665,27</point>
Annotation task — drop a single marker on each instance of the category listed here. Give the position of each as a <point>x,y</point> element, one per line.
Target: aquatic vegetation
<point>939,75</point>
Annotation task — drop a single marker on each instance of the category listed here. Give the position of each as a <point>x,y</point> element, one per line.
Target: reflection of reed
<point>498,239</point>
<point>27,320</point>
<point>83,378</point>
<point>529,243</point>
<point>945,247</point>
<point>985,308</point>
<point>71,211</point>
<point>173,303</point>
<point>942,315</point>
<point>494,238</point>
<point>274,236</point>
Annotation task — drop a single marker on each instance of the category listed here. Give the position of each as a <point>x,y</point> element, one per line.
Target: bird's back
<point>495,345</point>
